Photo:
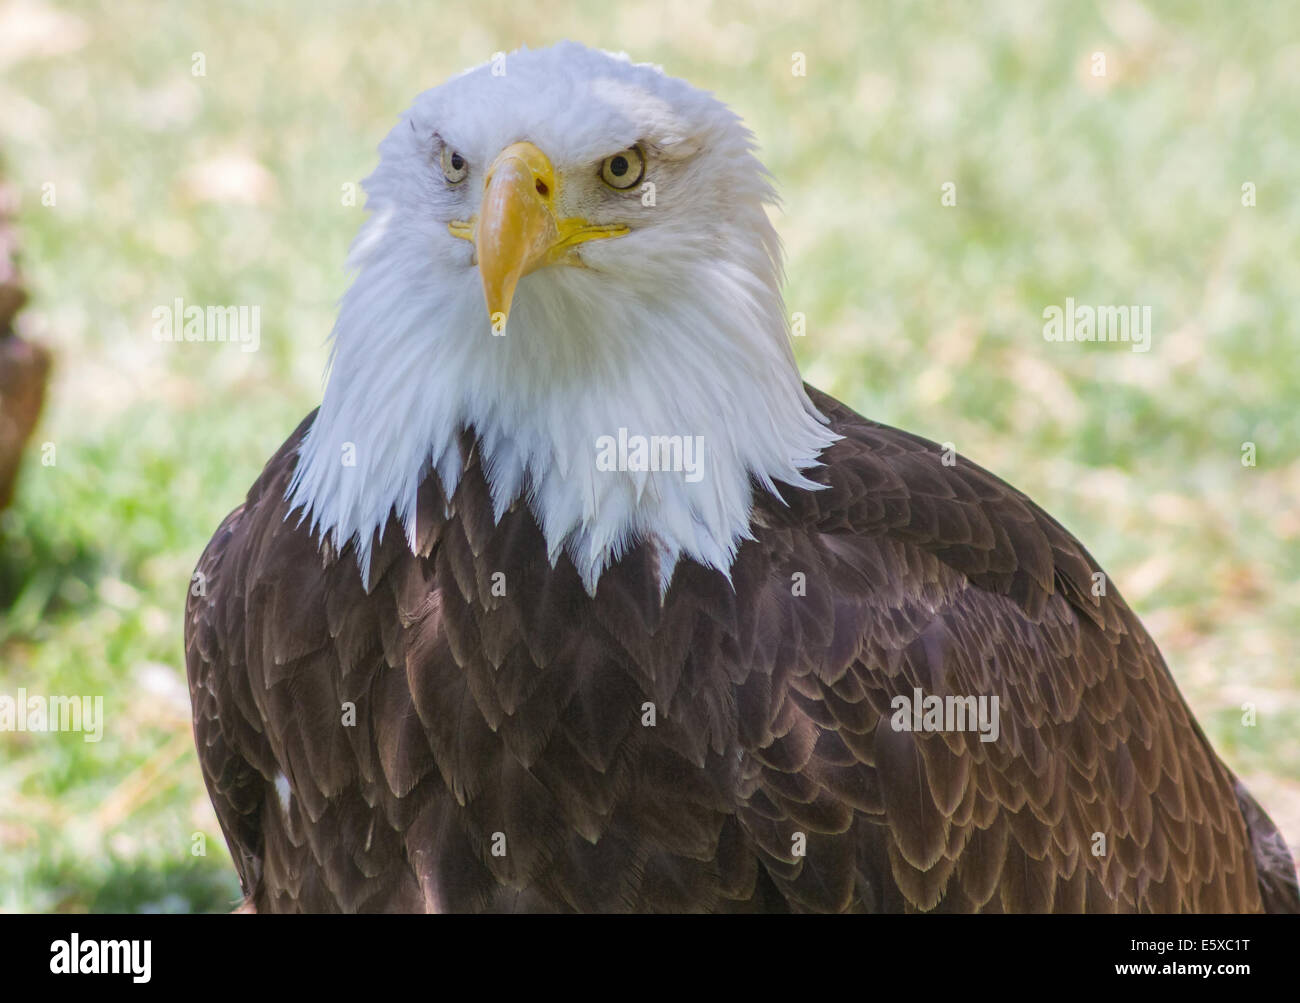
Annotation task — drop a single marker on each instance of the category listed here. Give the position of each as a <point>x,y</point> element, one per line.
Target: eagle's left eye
<point>454,166</point>
<point>623,170</point>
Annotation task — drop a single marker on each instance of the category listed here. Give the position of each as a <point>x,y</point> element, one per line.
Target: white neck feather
<point>414,363</point>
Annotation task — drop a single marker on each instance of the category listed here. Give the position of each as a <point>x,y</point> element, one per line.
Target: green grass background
<point>226,188</point>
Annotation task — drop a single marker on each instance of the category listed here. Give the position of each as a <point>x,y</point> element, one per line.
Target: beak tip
<point>498,298</point>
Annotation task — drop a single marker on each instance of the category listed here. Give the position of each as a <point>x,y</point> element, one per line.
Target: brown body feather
<point>515,723</point>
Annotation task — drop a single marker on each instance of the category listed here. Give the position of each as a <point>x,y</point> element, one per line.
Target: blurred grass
<point>226,188</point>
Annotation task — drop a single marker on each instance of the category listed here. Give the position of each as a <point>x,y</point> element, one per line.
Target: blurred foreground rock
<point>24,368</point>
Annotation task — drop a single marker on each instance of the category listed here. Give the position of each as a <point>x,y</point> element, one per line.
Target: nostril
<point>542,190</point>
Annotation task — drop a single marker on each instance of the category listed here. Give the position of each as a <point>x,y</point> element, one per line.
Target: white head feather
<point>676,328</point>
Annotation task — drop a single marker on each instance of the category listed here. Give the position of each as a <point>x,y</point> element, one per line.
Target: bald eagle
<point>572,596</point>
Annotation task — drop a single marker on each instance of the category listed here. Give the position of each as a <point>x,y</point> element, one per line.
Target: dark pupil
<point>618,166</point>
<point>456,162</point>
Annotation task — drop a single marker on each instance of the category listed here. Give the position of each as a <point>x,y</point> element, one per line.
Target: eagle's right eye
<point>454,166</point>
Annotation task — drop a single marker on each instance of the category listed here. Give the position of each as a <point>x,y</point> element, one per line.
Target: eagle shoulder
<point>281,646</point>
<point>920,580</point>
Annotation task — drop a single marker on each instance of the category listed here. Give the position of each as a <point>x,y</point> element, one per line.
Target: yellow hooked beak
<point>517,231</point>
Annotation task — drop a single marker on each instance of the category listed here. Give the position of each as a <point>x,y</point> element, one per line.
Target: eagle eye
<point>623,170</point>
<point>454,166</point>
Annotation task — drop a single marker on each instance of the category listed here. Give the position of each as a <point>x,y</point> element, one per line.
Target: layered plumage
<point>646,702</point>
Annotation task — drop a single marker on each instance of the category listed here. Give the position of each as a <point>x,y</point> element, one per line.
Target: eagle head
<point>569,255</point>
